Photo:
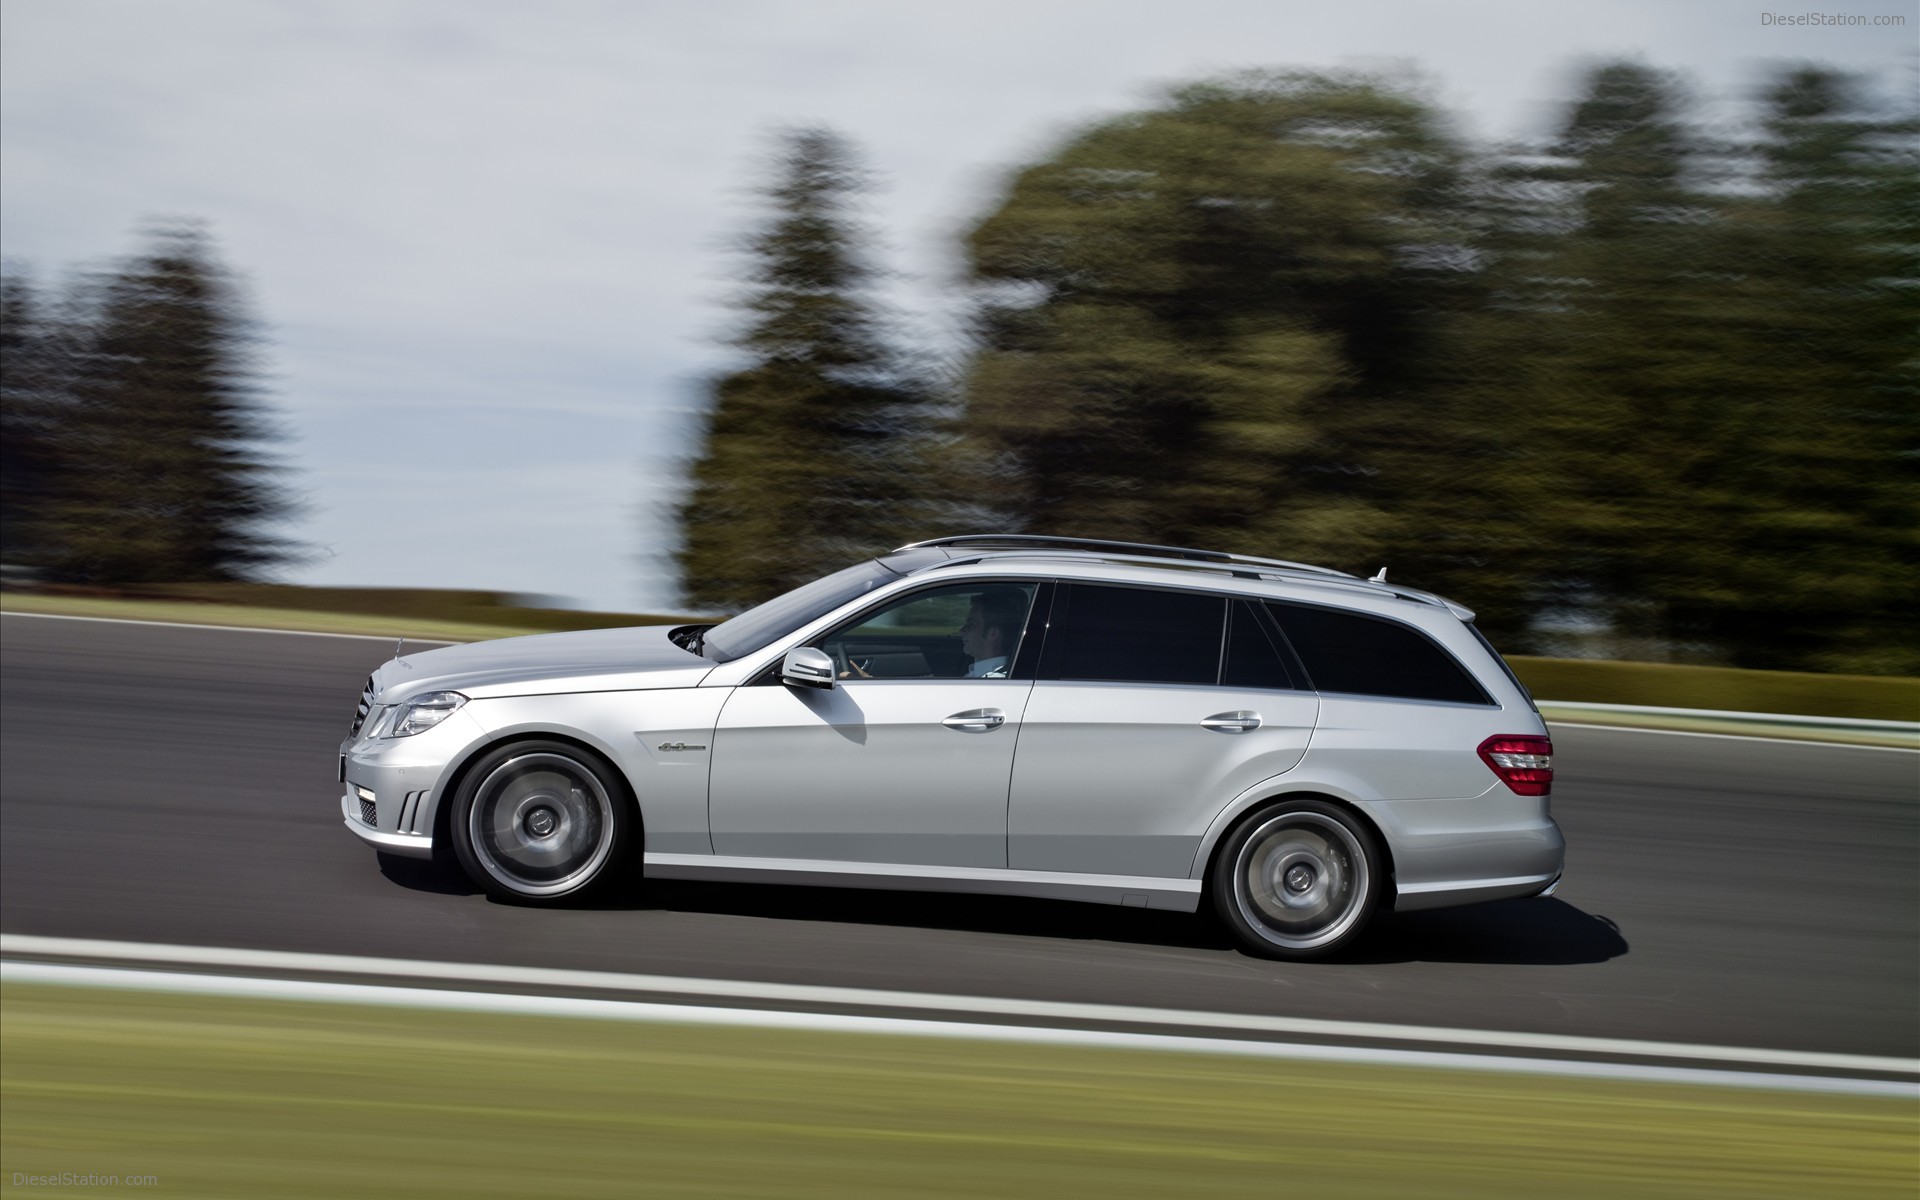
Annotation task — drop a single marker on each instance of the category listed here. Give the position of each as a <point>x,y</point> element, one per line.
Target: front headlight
<point>424,712</point>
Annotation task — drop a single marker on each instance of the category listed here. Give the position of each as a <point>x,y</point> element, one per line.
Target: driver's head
<point>993,623</point>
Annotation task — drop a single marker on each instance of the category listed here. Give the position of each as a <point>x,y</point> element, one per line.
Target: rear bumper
<point>1413,898</point>
<point>1492,847</point>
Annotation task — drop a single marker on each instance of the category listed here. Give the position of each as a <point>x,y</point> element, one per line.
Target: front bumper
<point>391,787</point>
<point>412,845</point>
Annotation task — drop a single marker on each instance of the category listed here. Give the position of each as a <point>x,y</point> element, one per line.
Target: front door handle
<point>976,720</point>
<point>1239,721</point>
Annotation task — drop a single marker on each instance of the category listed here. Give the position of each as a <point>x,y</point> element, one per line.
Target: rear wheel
<point>540,821</point>
<point>1298,880</point>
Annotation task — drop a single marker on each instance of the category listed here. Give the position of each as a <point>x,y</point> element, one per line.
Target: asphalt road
<point>168,784</point>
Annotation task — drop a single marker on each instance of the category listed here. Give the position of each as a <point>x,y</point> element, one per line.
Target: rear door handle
<point>1238,721</point>
<point>976,720</point>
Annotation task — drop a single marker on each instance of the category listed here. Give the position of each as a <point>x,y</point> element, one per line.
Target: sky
<point>491,244</point>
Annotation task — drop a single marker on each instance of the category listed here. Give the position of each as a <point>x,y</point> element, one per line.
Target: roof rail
<point>1216,560</point>
<point>1023,541</point>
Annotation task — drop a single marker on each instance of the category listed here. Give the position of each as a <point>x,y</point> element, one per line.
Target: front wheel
<point>1298,880</point>
<point>540,821</point>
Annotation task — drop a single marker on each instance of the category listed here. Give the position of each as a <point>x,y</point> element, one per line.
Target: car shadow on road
<point>1539,932</point>
<point>932,910</point>
<point>422,875</point>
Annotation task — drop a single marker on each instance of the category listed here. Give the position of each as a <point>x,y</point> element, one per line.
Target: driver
<point>992,630</point>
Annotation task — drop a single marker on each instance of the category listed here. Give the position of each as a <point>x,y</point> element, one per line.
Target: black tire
<point>1298,879</point>
<point>540,822</point>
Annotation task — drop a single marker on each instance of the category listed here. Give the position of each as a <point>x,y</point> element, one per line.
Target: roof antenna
<point>1380,578</point>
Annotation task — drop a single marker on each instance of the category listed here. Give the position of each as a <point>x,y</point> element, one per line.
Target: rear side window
<point>1349,652</point>
<point>1133,635</point>
<point>1253,661</point>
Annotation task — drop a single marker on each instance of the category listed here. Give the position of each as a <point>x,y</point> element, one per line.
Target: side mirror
<point>807,666</point>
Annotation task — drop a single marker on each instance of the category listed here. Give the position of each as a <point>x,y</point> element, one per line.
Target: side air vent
<point>366,706</point>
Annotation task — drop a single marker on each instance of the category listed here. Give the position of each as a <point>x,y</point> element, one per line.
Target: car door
<point>1153,709</point>
<point>906,759</point>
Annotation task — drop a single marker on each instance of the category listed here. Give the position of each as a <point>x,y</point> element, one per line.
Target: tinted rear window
<point>1253,661</point>
<point>1133,635</point>
<point>1348,652</point>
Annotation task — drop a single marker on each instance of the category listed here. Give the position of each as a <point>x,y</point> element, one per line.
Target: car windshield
<point>762,624</point>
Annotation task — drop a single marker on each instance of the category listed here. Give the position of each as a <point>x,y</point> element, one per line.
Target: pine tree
<point>163,478</point>
<point>810,454</point>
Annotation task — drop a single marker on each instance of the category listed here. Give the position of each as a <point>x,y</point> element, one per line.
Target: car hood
<point>590,660</point>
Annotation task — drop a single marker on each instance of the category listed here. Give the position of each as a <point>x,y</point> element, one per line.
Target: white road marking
<point>633,1010</point>
<point>371,637</point>
<point>293,961</point>
<point>1744,737</point>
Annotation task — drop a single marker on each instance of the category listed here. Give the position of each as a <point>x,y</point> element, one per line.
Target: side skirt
<point>1133,891</point>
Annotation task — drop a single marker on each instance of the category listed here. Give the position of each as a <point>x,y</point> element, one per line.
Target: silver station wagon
<point>1051,717</point>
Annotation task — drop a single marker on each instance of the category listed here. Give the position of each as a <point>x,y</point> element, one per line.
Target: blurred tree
<point>28,409</point>
<point>1589,360</point>
<point>161,475</point>
<point>1212,323</point>
<point>1816,527</point>
<point>812,448</point>
<point>1704,357</point>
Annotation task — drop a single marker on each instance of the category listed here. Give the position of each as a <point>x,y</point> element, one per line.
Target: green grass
<point>192,613</point>
<point>1674,685</point>
<point>436,613</point>
<point>222,1097</point>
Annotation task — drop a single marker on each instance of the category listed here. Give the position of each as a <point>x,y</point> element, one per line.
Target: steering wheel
<point>842,665</point>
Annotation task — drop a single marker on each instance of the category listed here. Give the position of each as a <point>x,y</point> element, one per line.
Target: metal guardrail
<point>1855,730</point>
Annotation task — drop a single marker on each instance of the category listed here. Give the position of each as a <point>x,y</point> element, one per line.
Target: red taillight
<point>1524,762</point>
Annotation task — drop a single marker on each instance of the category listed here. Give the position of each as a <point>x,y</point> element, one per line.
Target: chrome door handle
<point>1239,721</point>
<point>976,720</point>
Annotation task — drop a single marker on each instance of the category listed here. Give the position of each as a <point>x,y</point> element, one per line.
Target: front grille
<point>368,812</point>
<point>366,706</point>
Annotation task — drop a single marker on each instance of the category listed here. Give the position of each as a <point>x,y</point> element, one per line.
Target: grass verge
<point>249,616</point>
<point>221,1097</point>
<point>1728,689</point>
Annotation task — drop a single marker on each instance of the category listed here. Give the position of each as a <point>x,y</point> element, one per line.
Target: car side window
<point>1133,635</point>
<point>970,631</point>
<point>1370,656</point>
<point>1253,660</point>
